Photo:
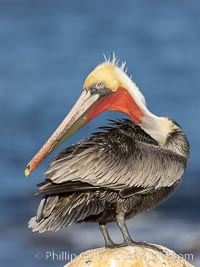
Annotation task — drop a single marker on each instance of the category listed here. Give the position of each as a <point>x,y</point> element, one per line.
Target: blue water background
<point>46,50</point>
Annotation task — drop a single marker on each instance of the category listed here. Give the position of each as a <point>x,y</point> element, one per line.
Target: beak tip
<point>27,171</point>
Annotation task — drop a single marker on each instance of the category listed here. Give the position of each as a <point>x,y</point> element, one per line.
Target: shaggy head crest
<point>113,59</point>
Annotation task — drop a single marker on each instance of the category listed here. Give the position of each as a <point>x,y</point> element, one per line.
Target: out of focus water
<point>46,50</point>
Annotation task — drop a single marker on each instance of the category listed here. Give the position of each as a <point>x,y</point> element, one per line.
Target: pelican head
<point>114,90</point>
<point>107,87</point>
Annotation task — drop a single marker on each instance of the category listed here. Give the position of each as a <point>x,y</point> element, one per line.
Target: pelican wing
<point>118,160</point>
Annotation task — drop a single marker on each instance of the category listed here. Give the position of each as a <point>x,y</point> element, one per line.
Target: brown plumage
<point>102,176</point>
<point>126,168</point>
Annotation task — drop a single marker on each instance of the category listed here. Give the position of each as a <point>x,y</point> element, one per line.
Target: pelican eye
<point>99,85</point>
<point>100,89</point>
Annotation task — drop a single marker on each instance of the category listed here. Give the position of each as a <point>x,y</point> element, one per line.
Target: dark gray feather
<point>122,157</point>
<point>68,209</point>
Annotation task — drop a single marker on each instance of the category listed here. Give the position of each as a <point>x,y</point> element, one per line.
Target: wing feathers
<point>118,159</point>
<point>48,187</point>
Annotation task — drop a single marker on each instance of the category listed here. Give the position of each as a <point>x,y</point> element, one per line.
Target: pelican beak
<point>91,103</point>
<point>83,111</point>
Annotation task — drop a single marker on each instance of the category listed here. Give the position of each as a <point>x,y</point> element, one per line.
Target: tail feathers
<point>46,206</point>
<point>57,212</point>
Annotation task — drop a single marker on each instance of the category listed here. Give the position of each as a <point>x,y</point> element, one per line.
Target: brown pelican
<point>126,168</point>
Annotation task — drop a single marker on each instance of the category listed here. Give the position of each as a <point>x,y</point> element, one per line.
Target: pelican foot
<point>110,245</point>
<point>147,245</point>
<point>140,244</point>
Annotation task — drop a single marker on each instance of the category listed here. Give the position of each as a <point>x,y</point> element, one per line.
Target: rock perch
<point>129,256</point>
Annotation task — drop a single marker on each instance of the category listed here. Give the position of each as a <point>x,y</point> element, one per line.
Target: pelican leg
<point>127,238</point>
<point>108,241</point>
<point>123,228</point>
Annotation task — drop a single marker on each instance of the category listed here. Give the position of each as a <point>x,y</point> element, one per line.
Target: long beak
<point>76,118</point>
